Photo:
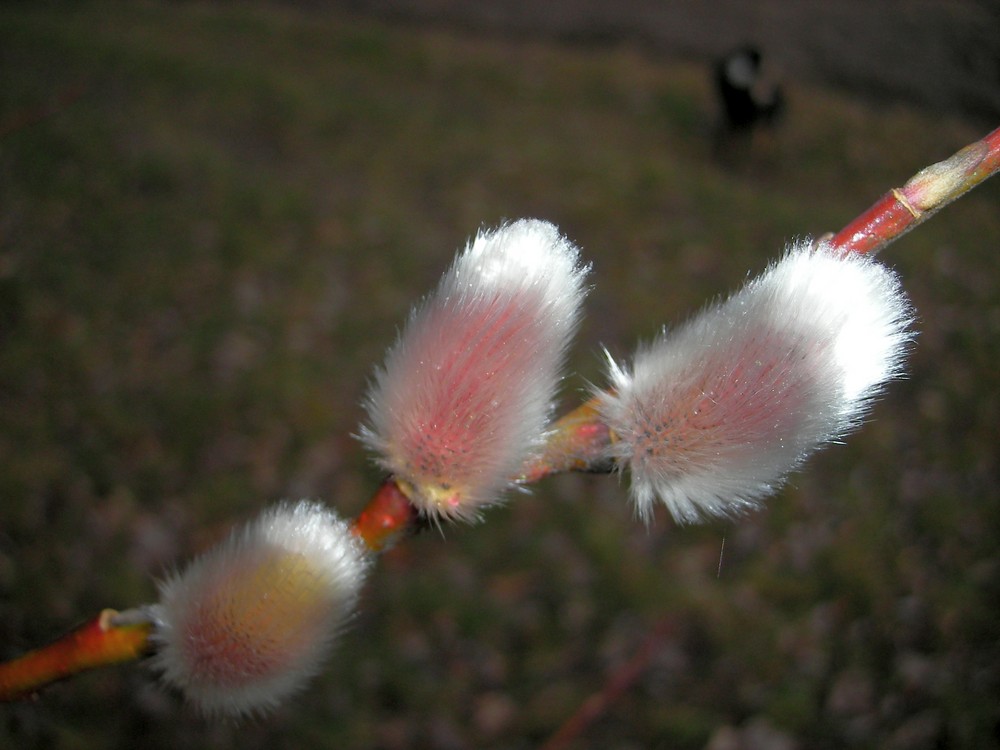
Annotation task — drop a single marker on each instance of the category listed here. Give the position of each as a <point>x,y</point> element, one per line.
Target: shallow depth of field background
<point>215,218</point>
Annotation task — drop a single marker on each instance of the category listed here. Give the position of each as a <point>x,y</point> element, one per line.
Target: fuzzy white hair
<point>466,393</point>
<point>712,416</point>
<point>251,620</point>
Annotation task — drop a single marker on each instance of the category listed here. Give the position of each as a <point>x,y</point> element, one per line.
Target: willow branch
<point>110,638</point>
<point>927,192</point>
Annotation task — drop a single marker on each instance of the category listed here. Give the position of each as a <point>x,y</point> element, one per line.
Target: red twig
<point>576,443</point>
<point>929,190</point>
<point>109,638</point>
<point>620,681</point>
<point>388,517</point>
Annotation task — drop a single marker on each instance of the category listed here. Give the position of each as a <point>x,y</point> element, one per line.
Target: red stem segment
<point>388,517</point>
<point>576,443</point>
<point>614,687</point>
<point>101,641</point>
<point>929,190</point>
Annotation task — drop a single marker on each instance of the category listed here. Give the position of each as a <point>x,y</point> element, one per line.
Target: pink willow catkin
<point>466,393</point>
<point>710,417</point>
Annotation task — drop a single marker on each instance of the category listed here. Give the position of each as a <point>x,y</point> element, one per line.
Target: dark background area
<point>943,54</point>
<point>215,217</point>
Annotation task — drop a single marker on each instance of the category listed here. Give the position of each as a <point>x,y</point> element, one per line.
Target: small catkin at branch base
<point>248,623</point>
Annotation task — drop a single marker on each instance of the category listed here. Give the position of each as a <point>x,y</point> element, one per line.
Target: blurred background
<point>214,218</point>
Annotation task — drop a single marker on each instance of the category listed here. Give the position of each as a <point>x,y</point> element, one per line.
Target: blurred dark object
<point>750,94</point>
<point>750,98</point>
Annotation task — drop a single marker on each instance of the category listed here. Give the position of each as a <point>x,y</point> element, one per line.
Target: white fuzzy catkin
<point>713,415</point>
<point>466,393</point>
<point>250,621</point>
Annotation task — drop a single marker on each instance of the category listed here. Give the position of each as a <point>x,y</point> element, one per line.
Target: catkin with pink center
<point>466,393</point>
<point>712,416</point>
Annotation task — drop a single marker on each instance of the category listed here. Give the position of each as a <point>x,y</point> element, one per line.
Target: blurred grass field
<point>214,219</point>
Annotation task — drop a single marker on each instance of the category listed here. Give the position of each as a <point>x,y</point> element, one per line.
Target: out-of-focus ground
<point>213,220</point>
<point>942,54</point>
